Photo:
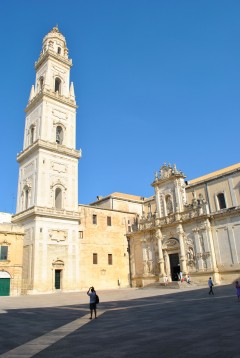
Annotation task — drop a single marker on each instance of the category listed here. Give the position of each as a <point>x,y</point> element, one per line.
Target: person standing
<point>93,307</point>
<point>210,284</point>
<point>237,285</point>
<point>165,279</point>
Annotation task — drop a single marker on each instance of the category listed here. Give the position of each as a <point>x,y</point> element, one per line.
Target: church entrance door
<point>174,266</point>
<point>58,279</point>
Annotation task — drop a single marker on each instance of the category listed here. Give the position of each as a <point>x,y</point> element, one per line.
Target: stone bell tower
<point>47,202</point>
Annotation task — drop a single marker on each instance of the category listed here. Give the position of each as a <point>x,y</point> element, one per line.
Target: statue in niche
<point>190,254</point>
<point>169,204</point>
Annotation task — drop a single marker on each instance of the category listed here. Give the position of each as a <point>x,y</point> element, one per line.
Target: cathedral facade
<point>194,228</point>
<point>120,240</point>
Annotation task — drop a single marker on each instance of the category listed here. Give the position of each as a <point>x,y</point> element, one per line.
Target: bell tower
<point>47,202</point>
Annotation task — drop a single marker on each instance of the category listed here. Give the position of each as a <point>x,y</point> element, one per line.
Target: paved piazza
<point>154,322</point>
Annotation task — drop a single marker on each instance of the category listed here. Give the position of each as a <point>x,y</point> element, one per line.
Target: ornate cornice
<point>53,147</point>
<point>50,53</point>
<point>46,212</point>
<point>50,94</point>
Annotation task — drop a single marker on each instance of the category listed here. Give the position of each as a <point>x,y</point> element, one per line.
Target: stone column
<point>167,264</point>
<point>198,249</point>
<point>162,272</point>
<point>144,254</point>
<point>178,203</point>
<point>157,194</point>
<point>216,275</point>
<point>182,249</point>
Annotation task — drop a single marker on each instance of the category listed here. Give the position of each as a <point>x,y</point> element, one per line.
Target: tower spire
<point>32,93</point>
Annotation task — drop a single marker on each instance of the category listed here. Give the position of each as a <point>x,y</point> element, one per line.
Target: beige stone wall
<point>121,202</point>
<point>227,183</point>
<point>103,240</point>
<point>12,237</point>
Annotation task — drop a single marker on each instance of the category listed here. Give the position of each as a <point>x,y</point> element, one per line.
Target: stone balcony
<point>151,221</point>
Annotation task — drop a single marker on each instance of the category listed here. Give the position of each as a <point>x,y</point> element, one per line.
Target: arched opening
<point>57,85</point>
<point>59,50</point>
<point>221,201</point>
<point>58,198</point>
<point>169,205</point>
<point>32,134</point>
<point>59,135</point>
<point>4,283</point>
<point>174,266</point>
<point>41,82</point>
<point>26,198</point>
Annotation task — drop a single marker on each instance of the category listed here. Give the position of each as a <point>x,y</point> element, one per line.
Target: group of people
<point>210,285</point>
<point>93,295</point>
<point>181,279</point>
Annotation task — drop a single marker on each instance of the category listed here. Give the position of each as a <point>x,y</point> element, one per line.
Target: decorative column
<point>216,275</point>
<point>182,249</point>
<point>167,265</point>
<point>162,272</point>
<point>157,198</point>
<point>198,250</point>
<point>178,202</point>
<point>144,253</point>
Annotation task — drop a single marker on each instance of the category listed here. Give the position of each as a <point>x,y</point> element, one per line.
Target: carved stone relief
<point>59,167</point>
<point>59,69</point>
<point>28,168</point>
<point>59,114</point>
<point>58,235</point>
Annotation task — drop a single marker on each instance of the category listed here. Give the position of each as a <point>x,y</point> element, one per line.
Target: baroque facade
<point>194,228</point>
<point>120,240</point>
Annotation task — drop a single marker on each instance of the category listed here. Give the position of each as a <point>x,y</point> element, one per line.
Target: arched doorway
<point>4,283</point>
<point>171,250</point>
<point>174,266</point>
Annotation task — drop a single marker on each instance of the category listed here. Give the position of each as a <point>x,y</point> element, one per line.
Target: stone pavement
<point>154,322</point>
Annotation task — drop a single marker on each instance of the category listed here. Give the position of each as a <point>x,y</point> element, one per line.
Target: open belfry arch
<point>47,203</point>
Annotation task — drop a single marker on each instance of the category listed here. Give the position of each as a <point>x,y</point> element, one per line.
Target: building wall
<point>12,237</point>
<point>103,240</point>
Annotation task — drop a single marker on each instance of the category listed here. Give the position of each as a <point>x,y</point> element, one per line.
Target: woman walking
<point>237,289</point>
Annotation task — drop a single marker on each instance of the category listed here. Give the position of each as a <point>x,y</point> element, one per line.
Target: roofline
<point>204,179</point>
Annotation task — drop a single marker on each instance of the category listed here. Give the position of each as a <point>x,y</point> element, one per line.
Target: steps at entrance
<point>173,285</point>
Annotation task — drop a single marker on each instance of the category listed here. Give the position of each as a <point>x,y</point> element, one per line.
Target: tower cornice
<point>52,147</point>
<point>45,212</point>
<point>50,53</point>
<point>50,94</point>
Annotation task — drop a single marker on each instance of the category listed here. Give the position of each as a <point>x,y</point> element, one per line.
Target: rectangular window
<point>94,219</point>
<point>95,261</point>
<point>109,259</point>
<point>109,221</point>
<point>80,234</point>
<point>3,252</point>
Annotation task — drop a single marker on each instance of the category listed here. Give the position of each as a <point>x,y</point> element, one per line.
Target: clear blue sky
<point>155,81</point>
